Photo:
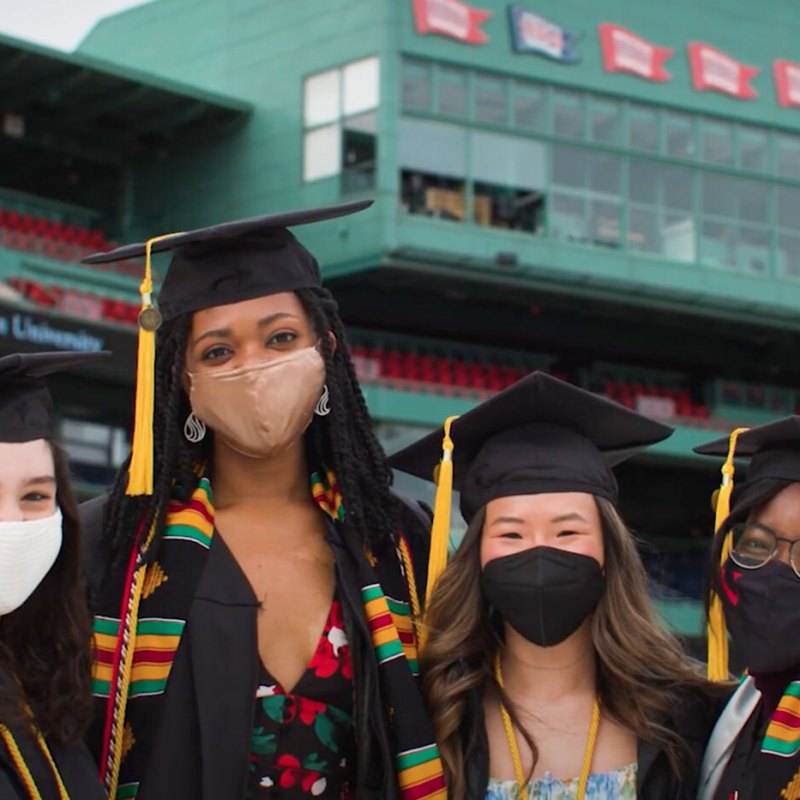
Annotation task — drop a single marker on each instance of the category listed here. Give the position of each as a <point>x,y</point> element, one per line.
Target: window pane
<point>416,85</point>
<point>491,100</point>
<point>452,92</point>
<point>530,107</point>
<point>718,245</point>
<point>753,148</point>
<point>432,147</point>
<point>568,113</point>
<point>359,145</point>
<point>605,121</point>
<point>605,223</point>
<point>788,161</point>
<point>752,250</point>
<point>567,219</point>
<point>677,183</point>
<point>753,202</point>
<point>717,142</point>
<point>719,195</point>
<point>643,179</point>
<point>507,160</point>
<point>569,166</point>
<point>361,85</point>
<point>604,173</point>
<point>788,208</point>
<point>678,241</point>
<point>322,98</point>
<point>509,175</point>
<point>642,128</point>
<point>321,152</point>
<point>679,135</point>
<point>788,256</point>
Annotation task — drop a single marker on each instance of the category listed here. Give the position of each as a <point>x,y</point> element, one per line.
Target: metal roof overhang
<point>55,106</point>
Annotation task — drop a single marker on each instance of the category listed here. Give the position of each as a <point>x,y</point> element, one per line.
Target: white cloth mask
<point>28,548</point>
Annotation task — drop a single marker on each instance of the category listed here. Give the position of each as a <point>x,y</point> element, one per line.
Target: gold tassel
<point>440,530</point>
<point>717,631</point>
<point>140,471</point>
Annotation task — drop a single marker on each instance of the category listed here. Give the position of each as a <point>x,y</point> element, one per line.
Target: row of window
<point>532,107</point>
<point>599,198</point>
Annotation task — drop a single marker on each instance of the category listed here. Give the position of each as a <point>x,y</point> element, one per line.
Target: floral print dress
<point>303,740</point>
<point>618,784</point>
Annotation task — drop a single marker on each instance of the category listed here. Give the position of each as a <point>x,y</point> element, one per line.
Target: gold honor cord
<point>22,768</point>
<point>516,759</point>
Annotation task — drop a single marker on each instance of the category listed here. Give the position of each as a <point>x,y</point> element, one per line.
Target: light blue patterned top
<point>618,784</point>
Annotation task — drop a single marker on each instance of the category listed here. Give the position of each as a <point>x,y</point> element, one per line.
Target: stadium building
<point>606,190</point>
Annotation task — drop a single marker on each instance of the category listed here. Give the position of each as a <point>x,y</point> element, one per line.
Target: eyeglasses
<point>754,545</point>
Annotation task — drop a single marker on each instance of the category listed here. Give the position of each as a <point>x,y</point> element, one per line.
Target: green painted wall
<point>259,51</point>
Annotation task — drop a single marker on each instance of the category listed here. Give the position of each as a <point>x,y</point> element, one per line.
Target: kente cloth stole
<point>777,766</point>
<point>418,767</point>
<point>134,650</point>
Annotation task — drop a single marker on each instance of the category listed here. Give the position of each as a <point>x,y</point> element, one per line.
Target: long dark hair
<point>343,441</point>
<point>642,672</point>
<point>46,643</point>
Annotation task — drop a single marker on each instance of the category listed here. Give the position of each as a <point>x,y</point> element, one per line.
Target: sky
<point>61,24</point>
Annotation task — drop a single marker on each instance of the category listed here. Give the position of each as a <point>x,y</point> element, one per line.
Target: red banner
<point>715,71</point>
<point>624,51</point>
<point>451,18</point>
<point>787,82</point>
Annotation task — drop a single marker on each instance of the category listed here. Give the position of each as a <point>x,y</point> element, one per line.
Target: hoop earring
<point>323,404</point>
<point>194,429</point>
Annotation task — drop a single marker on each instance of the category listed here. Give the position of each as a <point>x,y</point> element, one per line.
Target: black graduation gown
<point>693,721</point>
<point>202,746</point>
<point>78,770</point>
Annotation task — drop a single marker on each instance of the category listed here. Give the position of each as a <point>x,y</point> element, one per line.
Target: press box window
<point>432,168</point>
<point>341,124</point>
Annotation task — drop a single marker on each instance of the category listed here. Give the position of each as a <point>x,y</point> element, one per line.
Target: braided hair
<point>343,441</point>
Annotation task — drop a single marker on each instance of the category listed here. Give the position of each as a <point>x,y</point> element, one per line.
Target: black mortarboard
<point>773,450</point>
<point>212,266</point>
<point>234,261</point>
<point>26,408</point>
<point>774,453</point>
<point>539,435</point>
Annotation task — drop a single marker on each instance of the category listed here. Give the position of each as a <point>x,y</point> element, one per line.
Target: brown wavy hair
<point>642,671</point>
<point>46,643</point>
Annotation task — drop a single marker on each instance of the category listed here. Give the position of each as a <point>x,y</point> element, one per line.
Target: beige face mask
<point>260,409</point>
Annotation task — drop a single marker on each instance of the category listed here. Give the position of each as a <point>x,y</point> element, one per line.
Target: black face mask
<point>762,610</point>
<point>544,593</point>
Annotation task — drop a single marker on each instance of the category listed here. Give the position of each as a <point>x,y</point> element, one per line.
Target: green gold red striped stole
<point>782,737</point>
<point>418,768</point>
<point>157,638</point>
<point>134,652</point>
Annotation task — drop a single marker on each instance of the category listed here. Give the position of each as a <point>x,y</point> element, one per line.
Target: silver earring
<point>323,405</point>
<point>194,429</point>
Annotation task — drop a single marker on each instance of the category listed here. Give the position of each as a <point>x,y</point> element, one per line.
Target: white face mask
<point>27,551</point>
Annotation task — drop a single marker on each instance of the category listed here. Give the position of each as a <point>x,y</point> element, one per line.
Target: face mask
<point>262,408</point>
<point>762,610</point>
<point>27,551</point>
<point>544,593</point>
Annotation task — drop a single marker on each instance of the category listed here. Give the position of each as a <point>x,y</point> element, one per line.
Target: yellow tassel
<point>440,531</point>
<point>717,632</point>
<point>140,472</point>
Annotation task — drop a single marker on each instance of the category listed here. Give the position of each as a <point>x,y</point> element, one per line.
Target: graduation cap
<point>774,453</point>
<point>213,266</point>
<point>538,436</point>
<point>26,408</point>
